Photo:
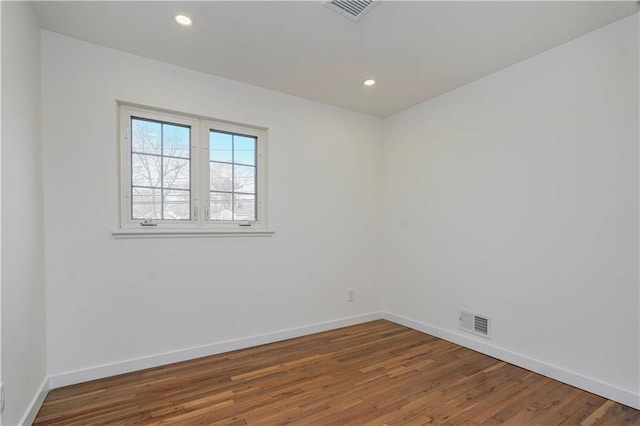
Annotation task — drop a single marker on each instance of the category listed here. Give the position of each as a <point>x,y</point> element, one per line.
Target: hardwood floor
<point>375,373</point>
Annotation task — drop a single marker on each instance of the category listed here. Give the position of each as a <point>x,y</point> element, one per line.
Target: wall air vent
<point>352,9</point>
<point>475,323</point>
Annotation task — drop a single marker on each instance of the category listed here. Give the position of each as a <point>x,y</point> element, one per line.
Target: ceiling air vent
<point>474,323</point>
<point>352,9</point>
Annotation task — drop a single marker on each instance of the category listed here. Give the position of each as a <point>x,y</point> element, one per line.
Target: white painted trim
<point>35,404</point>
<point>188,233</point>
<point>606,390</point>
<point>107,370</point>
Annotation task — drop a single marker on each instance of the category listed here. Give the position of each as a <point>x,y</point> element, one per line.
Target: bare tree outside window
<point>160,170</point>
<point>185,174</point>
<point>232,176</point>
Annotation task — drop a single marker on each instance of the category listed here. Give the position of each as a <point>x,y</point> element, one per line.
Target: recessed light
<point>369,82</point>
<point>183,20</point>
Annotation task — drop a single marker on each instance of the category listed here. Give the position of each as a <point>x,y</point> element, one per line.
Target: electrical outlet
<point>351,295</point>
<point>1,396</point>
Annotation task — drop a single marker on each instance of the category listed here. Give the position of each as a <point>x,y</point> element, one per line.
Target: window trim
<point>199,225</point>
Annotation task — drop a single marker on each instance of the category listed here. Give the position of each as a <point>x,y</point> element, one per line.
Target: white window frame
<point>199,224</point>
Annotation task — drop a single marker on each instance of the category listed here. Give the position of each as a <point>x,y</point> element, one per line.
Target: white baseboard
<point>591,385</point>
<point>101,371</point>
<point>79,376</point>
<point>35,404</point>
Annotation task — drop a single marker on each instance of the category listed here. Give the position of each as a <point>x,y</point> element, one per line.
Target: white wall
<point>22,278</point>
<point>114,300</point>
<point>516,196</point>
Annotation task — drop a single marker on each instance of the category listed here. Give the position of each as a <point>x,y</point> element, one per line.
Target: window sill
<point>188,233</point>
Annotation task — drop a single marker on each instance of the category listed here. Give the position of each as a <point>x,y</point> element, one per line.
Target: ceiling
<point>414,50</point>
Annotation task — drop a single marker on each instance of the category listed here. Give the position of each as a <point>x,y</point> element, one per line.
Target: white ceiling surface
<point>414,50</point>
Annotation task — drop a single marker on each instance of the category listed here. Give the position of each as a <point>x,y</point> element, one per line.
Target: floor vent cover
<point>475,323</point>
<point>352,9</point>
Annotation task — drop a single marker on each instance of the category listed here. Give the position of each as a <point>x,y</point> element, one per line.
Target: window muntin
<point>185,174</point>
<point>232,177</point>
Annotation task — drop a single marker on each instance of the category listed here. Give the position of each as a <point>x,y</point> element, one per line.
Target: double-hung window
<point>183,174</point>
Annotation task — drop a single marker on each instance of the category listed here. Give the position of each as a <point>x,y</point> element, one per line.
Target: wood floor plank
<point>378,373</point>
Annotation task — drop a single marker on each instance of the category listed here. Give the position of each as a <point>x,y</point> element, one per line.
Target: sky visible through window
<point>232,173</point>
<point>161,173</point>
<point>160,170</point>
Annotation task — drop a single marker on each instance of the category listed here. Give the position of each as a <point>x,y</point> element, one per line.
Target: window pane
<point>244,150</point>
<point>145,170</point>
<point>244,179</point>
<point>244,207</point>
<point>220,206</point>
<point>220,147</point>
<point>177,205</point>
<point>220,177</point>
<point>145,203</point>
<point>145,136</point>
<point>156,165</point>
<point>175,141</point>
<point>176,173</point>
